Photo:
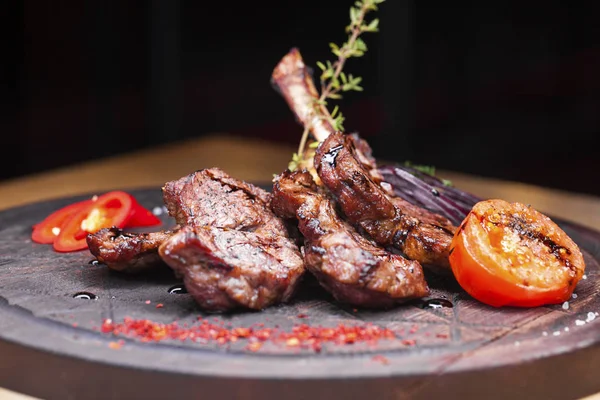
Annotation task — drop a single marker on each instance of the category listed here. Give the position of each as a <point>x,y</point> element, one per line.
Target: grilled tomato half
<point>508,254</point>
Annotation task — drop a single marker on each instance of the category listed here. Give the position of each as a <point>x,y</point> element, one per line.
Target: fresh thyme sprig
<point>333,80</point>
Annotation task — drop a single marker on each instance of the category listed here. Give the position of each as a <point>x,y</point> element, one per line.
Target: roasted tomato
<point>508,254</point>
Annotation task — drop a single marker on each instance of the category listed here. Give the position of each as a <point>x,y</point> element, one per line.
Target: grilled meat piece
<point>226,268</point>
<point>211,197</point>
<point>232,250</point>
<point>418,233</point>
<point>352,268</point>
<point>127,252</point>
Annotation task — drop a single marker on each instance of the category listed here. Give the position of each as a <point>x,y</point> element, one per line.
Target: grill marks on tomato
<point>525,231</point>
<point>508,254</point>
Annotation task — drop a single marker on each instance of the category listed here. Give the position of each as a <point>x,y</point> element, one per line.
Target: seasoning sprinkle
<point>380,359</point>
<point>204,331</point>
<point>116,345</point>
<point>590,316</point>
<point>157,210</point>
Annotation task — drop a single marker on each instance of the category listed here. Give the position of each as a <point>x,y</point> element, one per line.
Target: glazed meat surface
<point>352,268</point>
<point>421,235</point>
<point>232,250</point>
<point>227,268</point>
<point>212,198</point>
<point>127,252</point>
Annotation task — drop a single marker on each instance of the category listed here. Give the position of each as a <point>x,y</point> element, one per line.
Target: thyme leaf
<point>333,80</point>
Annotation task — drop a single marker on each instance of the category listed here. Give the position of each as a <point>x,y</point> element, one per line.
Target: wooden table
<point>254,161</point>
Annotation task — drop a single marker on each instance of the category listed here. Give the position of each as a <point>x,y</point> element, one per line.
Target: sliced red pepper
<point>111,209</point>
<point>46,231</point>
<point>141,216</point>
<point>68,227</point>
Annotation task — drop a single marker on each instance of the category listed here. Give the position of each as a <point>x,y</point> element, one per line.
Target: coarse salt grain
<point>579,322</point>
<point>574,295</point>
<point>566,329</point>
<point>157,210</point>
<point>565,305</point>
<point>590,316</point>
<point>556,333</point>
<point>584,276</point>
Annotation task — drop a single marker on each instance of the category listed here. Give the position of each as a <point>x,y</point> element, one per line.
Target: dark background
<point>504,89</point>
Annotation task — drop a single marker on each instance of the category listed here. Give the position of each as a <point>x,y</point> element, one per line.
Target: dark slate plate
<point>52,347</point>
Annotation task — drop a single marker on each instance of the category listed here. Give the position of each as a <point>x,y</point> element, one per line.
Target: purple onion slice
<point>428,191</point>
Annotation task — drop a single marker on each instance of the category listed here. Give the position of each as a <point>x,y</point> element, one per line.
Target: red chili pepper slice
<point>68,227</point>
<point>141,216</point>
<point>111,209</point>
<point>46,231</point>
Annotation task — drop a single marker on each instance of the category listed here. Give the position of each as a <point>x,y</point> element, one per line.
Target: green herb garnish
<point>333,80</point>
<point>427,169</point>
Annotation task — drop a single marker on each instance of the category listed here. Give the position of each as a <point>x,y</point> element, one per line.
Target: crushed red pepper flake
<point>301,335</point>
<point>159,305</point>
<point>381,359</point>
<point>116,345</point>
<point>254,346</point>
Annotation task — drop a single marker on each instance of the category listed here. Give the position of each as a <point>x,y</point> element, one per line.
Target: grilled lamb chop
<point>352,268</point>
<point>293,80</point>
<point>420,234</point>
<point>127,252</point>
<point>232,251</point>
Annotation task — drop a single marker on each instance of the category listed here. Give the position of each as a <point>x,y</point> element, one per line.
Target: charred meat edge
<point>353,269</point>
<point>125,251</point>
<point>368,206</point>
